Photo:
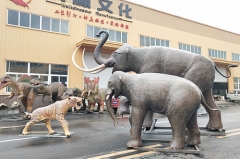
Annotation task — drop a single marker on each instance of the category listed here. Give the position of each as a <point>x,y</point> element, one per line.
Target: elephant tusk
<point>85,70</point>
<point>100,70</point>
<point>107,97</point>
<point>83,59</point>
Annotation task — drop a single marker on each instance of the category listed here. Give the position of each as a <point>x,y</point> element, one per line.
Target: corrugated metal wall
<point>30,45</point>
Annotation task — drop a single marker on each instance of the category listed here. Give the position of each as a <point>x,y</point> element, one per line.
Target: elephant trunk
<point>110,110</point>
<point>98,48</point>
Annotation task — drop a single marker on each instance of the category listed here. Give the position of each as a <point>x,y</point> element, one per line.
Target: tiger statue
<point>56,110</point>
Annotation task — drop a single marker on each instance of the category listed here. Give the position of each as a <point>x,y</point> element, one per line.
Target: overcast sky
<point>223,14</point>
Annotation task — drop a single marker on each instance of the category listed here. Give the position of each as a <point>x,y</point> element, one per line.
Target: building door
<point>220,85</point>
<point>90,63</point>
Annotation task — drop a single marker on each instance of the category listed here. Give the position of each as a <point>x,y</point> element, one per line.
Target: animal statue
<point>100,99</point>
<point>24,78</point>
<point>71,92</point>
<point>27,93</point>
<point>3,106</point>
<point>196,68</point>
<point>56,110</point>
<point>15,105</point>
<point>54,89</point>
<point>76,92</point>
<point>90,91</point>
<point>176,97</point>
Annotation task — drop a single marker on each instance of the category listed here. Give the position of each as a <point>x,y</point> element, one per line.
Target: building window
<point>114,35</point>
<point>236,83</point>
<point>35,21</point>
<point>47,72</point>
<point>148,41</point>
<point>217,54</point>
<point>46,23</point>
<point>55,25</point>
<point>13,17</point>
<point>24,19</point>
<point>190,48</point>
<point>38,22</point>
<point>64,27</point>
<point>235,57</point>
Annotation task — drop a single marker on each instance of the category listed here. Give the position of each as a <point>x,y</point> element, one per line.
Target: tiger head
<point>73,102</point>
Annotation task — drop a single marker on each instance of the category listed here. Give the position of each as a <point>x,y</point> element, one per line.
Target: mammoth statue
<point>196,68</point>
<point>174,96</point>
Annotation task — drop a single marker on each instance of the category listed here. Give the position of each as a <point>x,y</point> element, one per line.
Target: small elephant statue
<point>176,97</point>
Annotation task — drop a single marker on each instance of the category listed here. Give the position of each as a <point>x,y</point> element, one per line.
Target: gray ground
<point>95,136</point>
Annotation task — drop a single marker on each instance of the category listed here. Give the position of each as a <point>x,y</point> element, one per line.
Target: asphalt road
<point>96,137</point>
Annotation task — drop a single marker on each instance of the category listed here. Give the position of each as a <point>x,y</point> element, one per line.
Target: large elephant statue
<point>176,97</point>
<point>196,68</point>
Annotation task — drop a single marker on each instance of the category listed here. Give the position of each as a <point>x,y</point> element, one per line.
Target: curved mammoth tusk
<point>83,59</point>
<point>85,66</point>
<point>100,70</point>
<point>100,67</point>
<point>82,69</point>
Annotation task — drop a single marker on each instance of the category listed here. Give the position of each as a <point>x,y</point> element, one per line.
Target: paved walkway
<point>226,103</point>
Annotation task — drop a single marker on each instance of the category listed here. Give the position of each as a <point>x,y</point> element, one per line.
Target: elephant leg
<point>148,120</point>
<point>205,85</point>
<point>48,125</point>
<point>194,132</point>
<point>178,119</point>
<point>215,121</point>
<point>137,117</point>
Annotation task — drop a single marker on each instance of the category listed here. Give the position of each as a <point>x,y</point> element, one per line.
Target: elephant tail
<point>203,102</point>
<point>228,69</point>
